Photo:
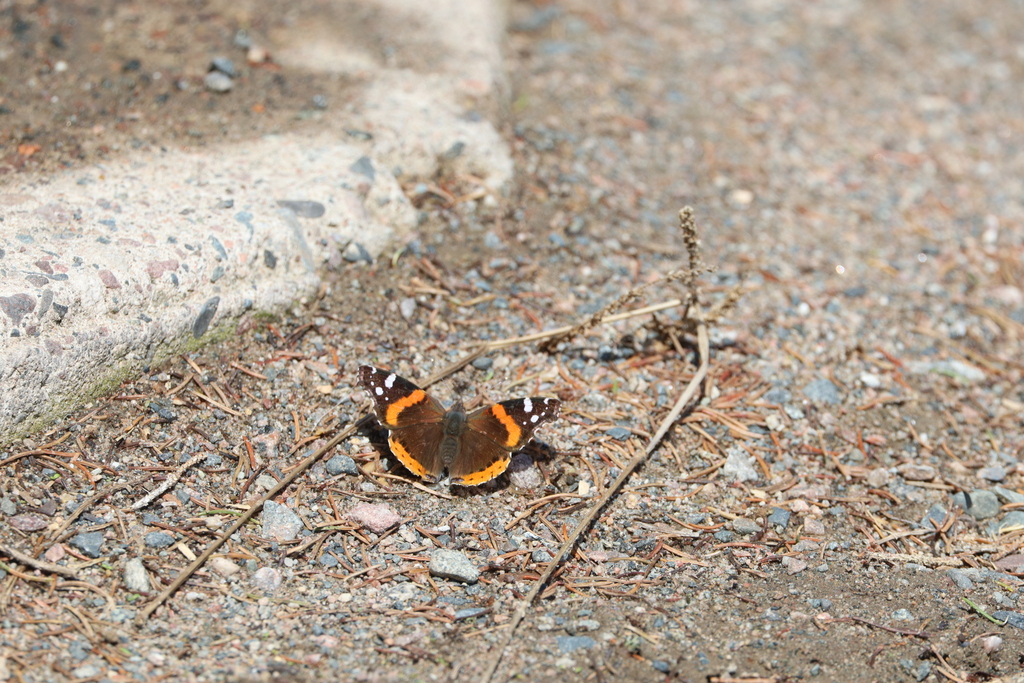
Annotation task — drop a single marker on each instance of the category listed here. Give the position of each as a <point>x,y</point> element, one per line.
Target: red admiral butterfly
<point>474,447</point>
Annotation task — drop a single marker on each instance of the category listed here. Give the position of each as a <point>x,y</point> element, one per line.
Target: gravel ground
<point>845,503</point>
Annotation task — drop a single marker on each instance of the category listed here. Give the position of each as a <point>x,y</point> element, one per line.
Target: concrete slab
<point>105,269</point>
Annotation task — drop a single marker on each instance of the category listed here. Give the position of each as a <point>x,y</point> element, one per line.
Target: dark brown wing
<point>413,417</point>
<point>397,401</point>
<point>494,432</point>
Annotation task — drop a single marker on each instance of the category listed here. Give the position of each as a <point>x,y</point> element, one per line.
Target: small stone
<point>1008,496</point>
<point>378,517</point>
<point>86,671</point>
<point>951,368</point>
<point>935,516</point>
<point>27,522</point>
<point>978,504</point>
<point>724,536</point>
<point>793,565</point>
<point>994,473</point>
<point>878,477</point>
<point>618,433</point>
<point>216,81</point>
<point>341,464</point>
<point>280,523</point>
<point>870,380</point>
<point>523,473</point>
<point>814,527</point>
<point>483,363</point>
<point>158,539</point>
<point>267,579</point>
<point>903,614</point>
<point>304,208</point>
<point>135,577</point>
<point>991,643</point>
<point>88,543</point>
<point>960,579</point>
<point>224,65</point>
<point>913,472</point>
<point>1013,521</point>
<point>745,527</point>
<point>822,391</point>
<point>567,644</point>
<point>1011,563</point>
<point>356,252</point>
<point>779,517</point>
<point>739,465</point>
<point>1015,619</point>
<point>407,307</point>
<point>55,553</point>
<point>224,566</point>
<point>451,564</point>
<point>923,671</point>
<point>540,555</point>
<point>8,506</point>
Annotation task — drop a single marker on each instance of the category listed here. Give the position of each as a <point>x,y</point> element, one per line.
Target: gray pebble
<point>267,579</point>
<point>469,613</point>
<point>724,536</point>
<point>1015,619</point>
<point>540,555</point>
<point>745,526</point>
<point>739,465</point>
<point>778,396</point>
<point>903,614</point>
<point>483,363</point>
<point>407,307</point>
<point>523,473</point>
<point>960,579</point>
<point>364,167</point>
<point>567,644</point>
<point>1014,518</point>
<point>341,464</point>
<point>356,252</point>
<point>280,523</point>
<point>492,241</point>
<point>451,564</point>
<point>1008,496</point>
<point>618,433</point>
<point>978,504</point>
<point>924,669</point>
<point>224,65</point>
<point>937,514</point>
<point>86,671</point>
<point>822,391</point>
<point>215,81</point>
<point>779,517</point>
<point>8,506</point>
<point>994,473</point>
<point>135,577</point>
<point>89,543</point>
<point>158,539</point>
<point>304,208</point>
<point>661,665</point>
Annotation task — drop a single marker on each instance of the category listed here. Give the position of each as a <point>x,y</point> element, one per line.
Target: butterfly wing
<point>413,417</point>
<point>494,432</point>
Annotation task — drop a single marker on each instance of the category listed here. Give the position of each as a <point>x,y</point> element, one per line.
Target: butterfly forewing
<point>393,396</point>
<point>511,423</point>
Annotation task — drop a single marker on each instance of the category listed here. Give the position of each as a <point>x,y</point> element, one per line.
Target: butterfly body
<point>474,447</point>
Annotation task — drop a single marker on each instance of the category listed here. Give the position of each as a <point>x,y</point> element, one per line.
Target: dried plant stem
<point>666,424</point>
<point>145,612</point>
<point>547,334</point>
<point>30,561</point>
<point>175,477</point>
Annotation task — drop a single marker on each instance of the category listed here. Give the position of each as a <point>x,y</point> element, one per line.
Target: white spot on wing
<point>390,381</point>
<point>528,406</point>
<point>534,419</point>
<point>380,392</point>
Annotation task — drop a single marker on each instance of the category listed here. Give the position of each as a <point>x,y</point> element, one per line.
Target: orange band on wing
<point>487,474</point>
<point>396,408</point>
<point>514,432</point>
<point>410,462</point>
